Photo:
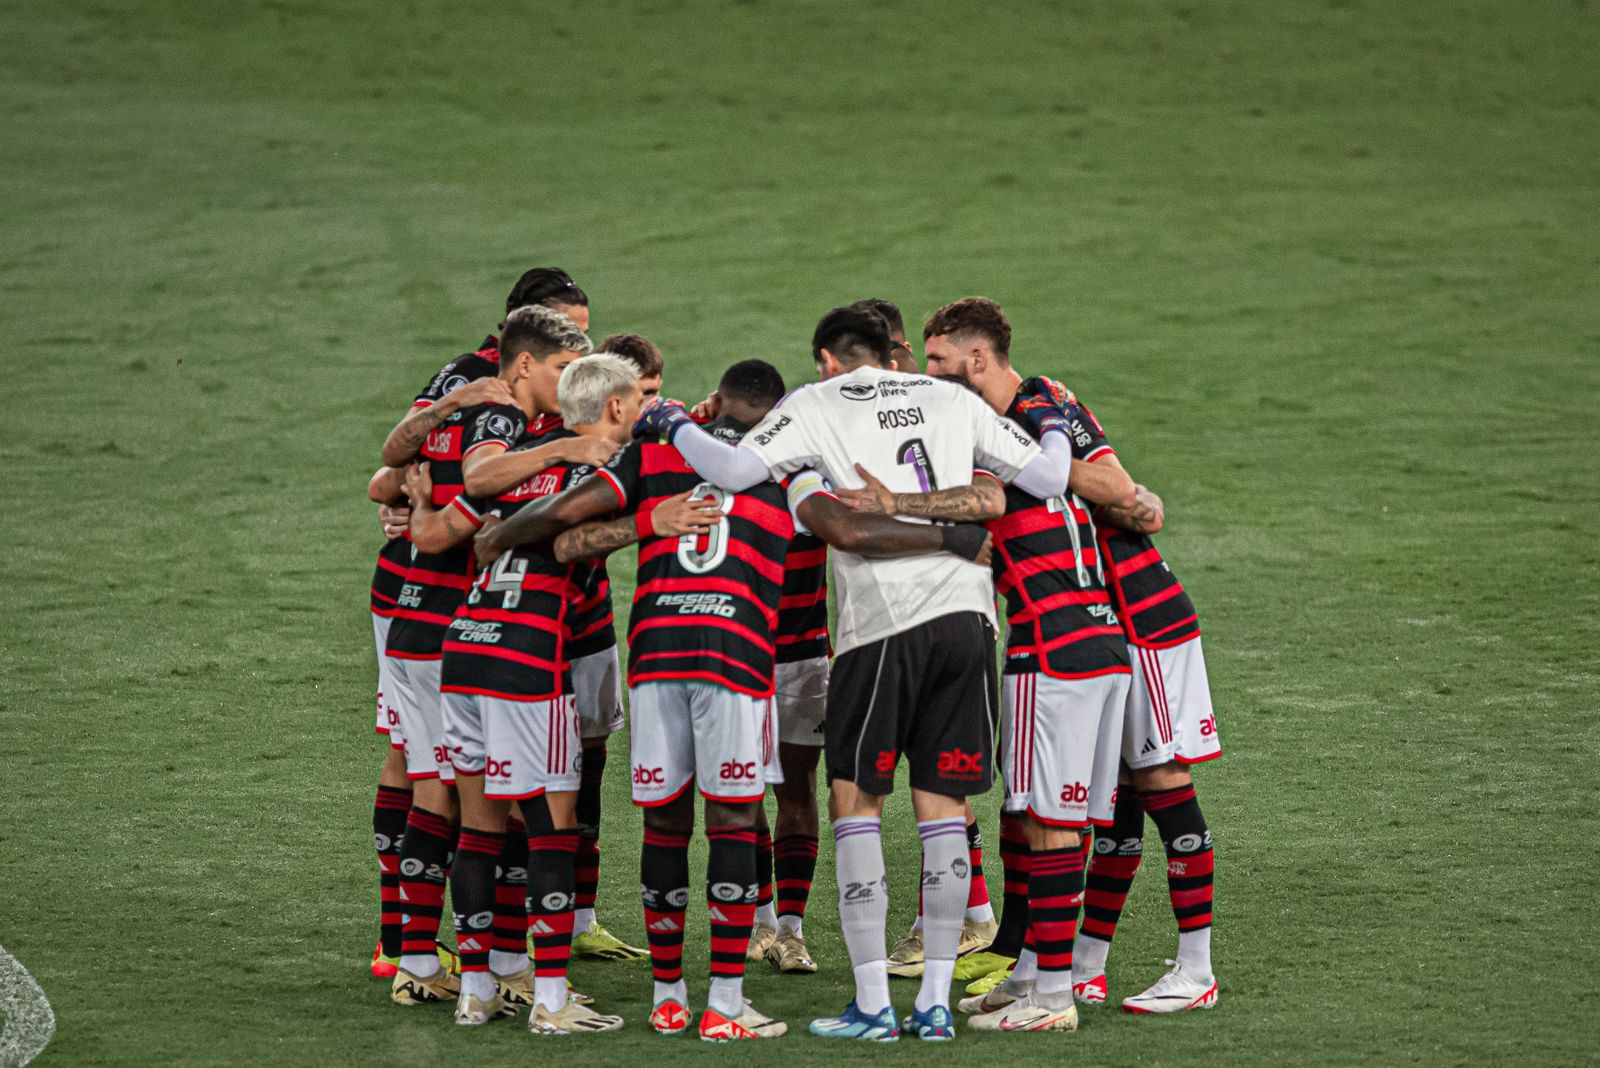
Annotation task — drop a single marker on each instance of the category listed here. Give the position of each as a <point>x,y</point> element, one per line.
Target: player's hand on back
<point>484,545</point>
<point>707,409</point>
<point>419,485</point>
<point>595,451</point>
<point>874,497</point>
<point>679,515</point>
<point>482,391</point>
<point>661,417</point>
<point>1045,415</point>
<point>1041,386</point>
<point>395,518</point>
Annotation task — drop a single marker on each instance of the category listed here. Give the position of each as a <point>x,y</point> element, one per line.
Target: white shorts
<point>388,716</point>
<point>597,686</point>
<point>521,748</point>
<point>687,731</point>
<point>1059,748</point>
<point>416,693</point>
<point>802,699</point>
<point>1169,708</point>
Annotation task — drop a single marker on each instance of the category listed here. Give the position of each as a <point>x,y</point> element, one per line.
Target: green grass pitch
<point>1328,271</point>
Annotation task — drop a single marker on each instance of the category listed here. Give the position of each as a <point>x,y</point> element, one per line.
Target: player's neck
<point>1000,389</point>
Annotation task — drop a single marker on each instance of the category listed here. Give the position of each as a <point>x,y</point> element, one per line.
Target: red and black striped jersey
<point>590,620</point>
<point>706,607</point>
<point>1155,610</point>
<point>435,583</point>
<point>1059,617</point>
<point>390,575</point>
<point>510,638</point>
<point>803,612</point>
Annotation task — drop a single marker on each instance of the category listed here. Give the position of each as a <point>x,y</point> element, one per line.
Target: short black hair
<point>756,382</point>
<point>852,335</point>
<point>886,308</point>
<point>547,286</point>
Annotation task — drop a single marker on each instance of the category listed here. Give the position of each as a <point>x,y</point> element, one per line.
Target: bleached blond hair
<point>587,384</point>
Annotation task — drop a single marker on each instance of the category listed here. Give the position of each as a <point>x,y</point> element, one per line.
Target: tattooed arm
<point>1145,517</point>
<point>980,502</point>
<point>405,440</point>
<point>672,518</point>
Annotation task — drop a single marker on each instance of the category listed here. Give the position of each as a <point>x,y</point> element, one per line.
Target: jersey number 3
<point>694,558</point>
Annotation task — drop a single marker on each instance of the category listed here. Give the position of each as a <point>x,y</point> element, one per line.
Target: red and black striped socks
<point>1055,892</point>
<point>731,903</point>
<point>552,881</point>
<point>508,952</point>
<point>1190,871</point>
<point>424,868</point>
<point>1014,860</point>
<point>1117,852</point>
<point>588,864</point>
<point>765,914</point>
<point>794,863</point>
<point>389,810</point>
<point>664,889</point>
<point>472,895</point>
<point>979,909</point>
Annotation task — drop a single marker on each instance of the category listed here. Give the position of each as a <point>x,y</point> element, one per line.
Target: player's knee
<point>846,800</point>
<point>1168,776</point>
<point>1042,835</point>
<point>675,817</point>
<point>722,814</point>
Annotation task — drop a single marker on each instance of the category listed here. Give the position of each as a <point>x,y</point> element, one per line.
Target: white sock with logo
<point>863,906</point>
<point>1194,953</point>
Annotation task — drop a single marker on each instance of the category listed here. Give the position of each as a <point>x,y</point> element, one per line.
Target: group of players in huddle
<point>524,464</point>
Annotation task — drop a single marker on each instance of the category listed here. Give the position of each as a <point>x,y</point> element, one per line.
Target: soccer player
<point>512,723</point>
<point>901,358</point>
<point>527,363</point>
<point>1066,673</point>
<point>1169,726</point>
<point>914,674</point>
<point>432,428</point>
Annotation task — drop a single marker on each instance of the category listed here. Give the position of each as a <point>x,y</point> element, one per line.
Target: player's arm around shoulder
<point>1147,514</point>
<point>876,535</point>
<point>672,518</point>
<point>984,499</point>
<point>434,530</point>
<point>406,439</point>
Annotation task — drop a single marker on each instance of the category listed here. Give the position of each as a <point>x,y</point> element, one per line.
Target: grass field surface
<point>1328,272</point>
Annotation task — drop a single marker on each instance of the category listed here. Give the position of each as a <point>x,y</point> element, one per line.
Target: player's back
<point>915,434</point>
<point>705,607</point>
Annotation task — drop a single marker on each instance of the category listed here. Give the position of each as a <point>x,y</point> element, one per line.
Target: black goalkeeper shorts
<point>928,693</point>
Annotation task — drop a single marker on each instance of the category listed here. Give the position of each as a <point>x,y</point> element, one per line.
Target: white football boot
<point>1177,991</point>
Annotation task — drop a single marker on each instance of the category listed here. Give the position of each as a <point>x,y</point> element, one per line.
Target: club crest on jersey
<point>451,384</point>
<point>858,391</point>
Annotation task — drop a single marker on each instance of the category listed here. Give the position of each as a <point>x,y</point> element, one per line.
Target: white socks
<point>478,984</point>
<point>550,991</point>
<point>946,877</point>
<point>421,965</point>
<point>863,906</point>
<point>507,962</point>
<point>727,995</point>
<point>1194,952</point>
<point>767,916</point>
<point>582,920</point>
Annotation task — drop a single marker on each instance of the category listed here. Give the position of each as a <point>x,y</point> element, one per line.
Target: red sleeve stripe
<point>761,641</point>
<point>474,649</point>
<point>467,512</point>
<point>1104,450</point>
<point>595,628</point>
<point>420,403</point>
<point>976,471</point>
<point>480,445</point>
<point>616,487</point>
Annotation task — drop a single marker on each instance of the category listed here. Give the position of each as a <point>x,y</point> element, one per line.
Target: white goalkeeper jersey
<point>913,433</point>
